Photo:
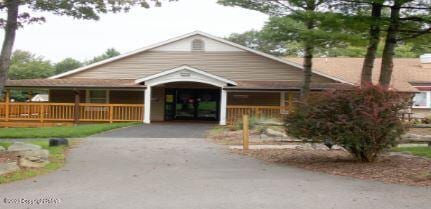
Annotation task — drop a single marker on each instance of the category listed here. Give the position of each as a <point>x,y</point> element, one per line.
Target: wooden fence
<point>235,112</point>
<point>64,112</point>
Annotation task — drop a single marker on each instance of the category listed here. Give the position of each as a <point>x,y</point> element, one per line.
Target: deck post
<point>245,132</point>
<point>147,105</point>
<point>76,114</point>
<point>223,107</point>
<point>7,103</point>
<point>290,107</point>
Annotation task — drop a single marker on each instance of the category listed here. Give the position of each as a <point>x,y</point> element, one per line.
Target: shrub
<point>363,120</point>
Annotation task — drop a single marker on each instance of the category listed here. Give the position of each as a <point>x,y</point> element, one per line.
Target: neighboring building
<point>409,75</point>
<point>40,98</point>
<point>194,76</point>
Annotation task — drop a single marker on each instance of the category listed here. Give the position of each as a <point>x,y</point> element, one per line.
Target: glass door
<point>192,104</point>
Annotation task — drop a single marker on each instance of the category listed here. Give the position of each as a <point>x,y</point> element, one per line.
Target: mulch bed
<point>395,168</point>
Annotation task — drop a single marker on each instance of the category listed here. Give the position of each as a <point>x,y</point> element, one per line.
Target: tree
<point>408,19</point>
<point>25,65</point>
<point>255,40</point>
<point>305,21</point>
<point>75,8</point>
<point>66,65</point>
<point>109,53</point>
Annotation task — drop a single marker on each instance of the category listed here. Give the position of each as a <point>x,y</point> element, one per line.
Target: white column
<point>147,107</point>
<point>223,106</point>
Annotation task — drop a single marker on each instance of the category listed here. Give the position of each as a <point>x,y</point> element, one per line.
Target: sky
<point>62,37</point>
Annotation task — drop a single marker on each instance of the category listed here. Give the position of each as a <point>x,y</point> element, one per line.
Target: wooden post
<point>290,107</point>
<point>245,132</point>
<point>76,114</point>
<point>29,96</point>
<point>7,103</point>
<point>111,113</point>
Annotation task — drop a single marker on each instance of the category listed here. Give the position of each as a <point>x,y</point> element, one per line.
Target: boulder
<point>20,146</point>
<point>275,133</point>
<point>27,163</point>
<point>34,158</point>
<point>9,167</point>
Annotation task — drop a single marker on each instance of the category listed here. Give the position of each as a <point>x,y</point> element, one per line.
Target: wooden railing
<point>20,111</point>
<point>235,112</point>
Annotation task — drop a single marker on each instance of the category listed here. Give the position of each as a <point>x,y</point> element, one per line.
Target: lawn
<point>419,151</point>
<point>61,132</point>
<point>56,158</point>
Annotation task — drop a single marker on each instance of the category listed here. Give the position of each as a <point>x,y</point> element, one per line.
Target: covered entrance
<point>192,104</point>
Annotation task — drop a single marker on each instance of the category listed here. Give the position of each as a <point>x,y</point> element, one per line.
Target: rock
<point>20,146</point>
<point>10,167</point>
<point>34,158</point>
<point>23,162</point>
<point>274,133</point>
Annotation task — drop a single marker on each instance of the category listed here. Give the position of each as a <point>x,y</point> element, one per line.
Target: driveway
<point>123,172</point>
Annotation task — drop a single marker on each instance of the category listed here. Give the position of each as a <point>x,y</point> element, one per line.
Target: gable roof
<point>296,65</point>
<point>406,70</point>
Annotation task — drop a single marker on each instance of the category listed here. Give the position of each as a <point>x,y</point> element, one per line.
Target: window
<point>198,45</point>
<point>97,96</point>
<point>422,99</point>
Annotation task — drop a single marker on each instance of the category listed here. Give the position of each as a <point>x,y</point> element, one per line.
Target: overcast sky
<point>62,37</point>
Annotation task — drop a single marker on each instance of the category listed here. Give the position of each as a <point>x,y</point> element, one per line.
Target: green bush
<point>363,120</point>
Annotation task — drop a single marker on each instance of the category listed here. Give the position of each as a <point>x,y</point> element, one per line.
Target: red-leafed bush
<point>363,120</point>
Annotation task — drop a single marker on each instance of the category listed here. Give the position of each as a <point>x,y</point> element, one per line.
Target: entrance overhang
<point>185,74</point>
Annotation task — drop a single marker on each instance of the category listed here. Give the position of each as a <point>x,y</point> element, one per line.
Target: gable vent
<point>198,45</point>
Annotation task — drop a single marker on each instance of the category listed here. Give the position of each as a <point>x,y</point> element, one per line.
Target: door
<point>192,104</point>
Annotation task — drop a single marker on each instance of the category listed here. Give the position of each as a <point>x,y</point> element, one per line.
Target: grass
<point>419,151</point>
<point>60,132</point>
<point>56,158</point>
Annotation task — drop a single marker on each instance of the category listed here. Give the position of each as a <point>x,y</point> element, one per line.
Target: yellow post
<point>111,113</point>
<point>7,108</point>
<point>290,107</point>
<point>245,133</point>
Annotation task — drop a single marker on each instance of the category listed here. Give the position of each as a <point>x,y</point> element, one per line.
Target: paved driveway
<point>107,172</point>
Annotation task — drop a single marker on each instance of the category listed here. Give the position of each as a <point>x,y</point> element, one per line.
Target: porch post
<point>223,107</point>
<point>76,108</point>
<point>147,106</point>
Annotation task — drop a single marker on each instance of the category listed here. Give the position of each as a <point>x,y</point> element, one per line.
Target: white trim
<point>189,35</point>
<point>223,107</point>
<point>184,67</point>
<point>147,106</point>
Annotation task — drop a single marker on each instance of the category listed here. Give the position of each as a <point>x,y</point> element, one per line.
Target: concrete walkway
<point>109,172</point>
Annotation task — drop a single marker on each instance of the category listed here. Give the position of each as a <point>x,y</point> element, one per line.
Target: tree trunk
<point>308,58</point>
<point>390,44</point>
<point>373,43</point>
<point>308,66</point>
<point>9,40</point>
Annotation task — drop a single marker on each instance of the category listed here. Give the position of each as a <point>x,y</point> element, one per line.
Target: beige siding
<point>421,113</point>
<point>230,65</point>
<point>254,98</point>
<point>157,104</point>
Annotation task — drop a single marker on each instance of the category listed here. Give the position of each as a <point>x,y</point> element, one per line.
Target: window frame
<point>427,98</point>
